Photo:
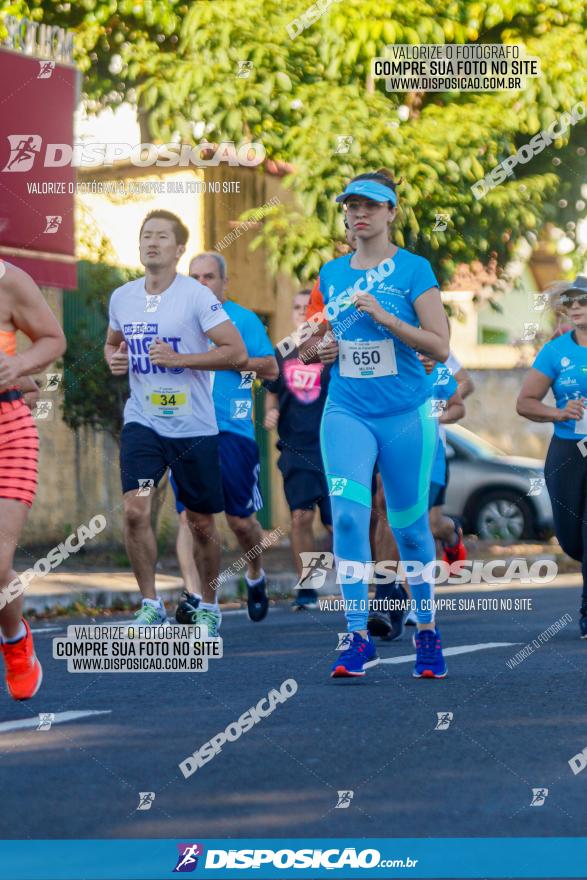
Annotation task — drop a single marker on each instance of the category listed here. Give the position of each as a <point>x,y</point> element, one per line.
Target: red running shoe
<point>455,552</point>
<point>23,671</point>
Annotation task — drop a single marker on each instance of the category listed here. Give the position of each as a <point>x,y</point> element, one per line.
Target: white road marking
<point>47,629</point>
<point>452,652</point>
<point>60,718</point>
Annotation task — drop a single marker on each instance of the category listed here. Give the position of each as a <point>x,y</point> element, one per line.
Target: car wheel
<point>502,515</point>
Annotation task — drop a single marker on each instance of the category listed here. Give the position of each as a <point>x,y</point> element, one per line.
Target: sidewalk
<point>85,583</point>
<point>111,588</point>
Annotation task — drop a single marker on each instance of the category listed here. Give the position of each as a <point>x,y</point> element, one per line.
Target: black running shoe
<point>389,625</point>
<point>305,599</point>
<point>583,623</point>
<point>257,601</point>
<point>188,605</point>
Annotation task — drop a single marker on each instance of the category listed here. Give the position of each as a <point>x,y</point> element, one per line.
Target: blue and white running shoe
<point>430,662</point>
<point>359,656</point>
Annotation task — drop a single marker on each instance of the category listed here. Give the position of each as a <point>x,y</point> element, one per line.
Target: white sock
<point>156,603</point>
<point>206,606</point>
<point>253,583</point>
<point>20,635</point>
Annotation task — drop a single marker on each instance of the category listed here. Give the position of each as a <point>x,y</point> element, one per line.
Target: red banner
<point>36,191</point>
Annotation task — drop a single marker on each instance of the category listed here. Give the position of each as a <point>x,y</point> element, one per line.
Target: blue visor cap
<point>369,189</point>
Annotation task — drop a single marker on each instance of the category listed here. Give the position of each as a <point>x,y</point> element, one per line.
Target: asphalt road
<point>512,730</point>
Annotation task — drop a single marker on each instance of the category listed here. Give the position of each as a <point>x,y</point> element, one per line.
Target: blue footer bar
<point>272,858</point>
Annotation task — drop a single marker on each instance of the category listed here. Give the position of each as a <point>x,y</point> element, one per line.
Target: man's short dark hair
<point>180,231</point>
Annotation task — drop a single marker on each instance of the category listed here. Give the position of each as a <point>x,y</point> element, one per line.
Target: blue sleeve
<point>444,383</point>
<point>452,386</point>
<point>257,342</point>
<point>545,362</point>
<point>423,279</point>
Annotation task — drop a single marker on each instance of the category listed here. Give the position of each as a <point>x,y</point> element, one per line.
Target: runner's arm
<point>466,384</point>
<point>229,352</point>
<point>113,340</point>
<point>430,338</point>
<point>29,389</point>
<point>263,367</point>
<point>271,410</point>
<point>455,409</point>
<point>32,315</point>
<point>530,406</point>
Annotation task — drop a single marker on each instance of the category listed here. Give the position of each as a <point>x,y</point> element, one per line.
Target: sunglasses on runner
<point>567,299</point>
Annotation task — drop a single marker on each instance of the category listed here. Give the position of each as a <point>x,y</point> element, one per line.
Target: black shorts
<point>305,485</point>
<point>146,455</point>
<point>437,495</point>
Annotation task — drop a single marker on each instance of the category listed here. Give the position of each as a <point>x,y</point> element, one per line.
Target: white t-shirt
<point>174,402</point>
<point>453,364</point>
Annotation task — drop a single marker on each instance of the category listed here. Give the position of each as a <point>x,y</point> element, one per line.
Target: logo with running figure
<point>46,719</point>
<point>344,800</point>
<point>146,800</point>
<point>441,222</point>
<point>437,407</point>
<point>337,485</point>
<point>539,795</point>
<point>24,149</point>
<point>240,409</point>
<point>52,223</point>
<point>187,861</point>
<point>444,719</point>
<point>315,567</point>
<point>537,484</point>
<point>443,377</point>
<point>247,378</point>
<point>46,69</point>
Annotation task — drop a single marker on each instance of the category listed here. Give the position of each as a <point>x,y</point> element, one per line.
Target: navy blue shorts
<point>146,455</point>
<point>304,484</point>
<point>437,495</point>
<point>239,470</point>
<point>438,491</point>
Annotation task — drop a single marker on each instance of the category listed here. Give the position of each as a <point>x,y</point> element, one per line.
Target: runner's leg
<point>139,538</point>
<point>565,472</point>
<point>207,542</point>
<point>240,468</point>
<point>249,534</point>
<point>406,455</point>
<point>302,535</point>
<point>349,451</point>
<point>186,550</point>
<point>142,465</point>
<point>13,516</point>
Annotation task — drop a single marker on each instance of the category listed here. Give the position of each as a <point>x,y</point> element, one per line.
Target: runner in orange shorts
<point>22,307</point>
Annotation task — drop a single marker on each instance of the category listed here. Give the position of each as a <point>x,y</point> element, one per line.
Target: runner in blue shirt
<point>561,367</point>
<point>383,305</point>
<point>233,404</point>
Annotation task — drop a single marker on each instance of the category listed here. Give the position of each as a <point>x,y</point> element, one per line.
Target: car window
<point>474,445</point>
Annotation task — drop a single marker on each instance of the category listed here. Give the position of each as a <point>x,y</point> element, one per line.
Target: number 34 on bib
<point>367,360</point>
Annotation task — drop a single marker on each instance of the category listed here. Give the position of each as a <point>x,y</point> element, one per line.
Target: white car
<point>496,496</point>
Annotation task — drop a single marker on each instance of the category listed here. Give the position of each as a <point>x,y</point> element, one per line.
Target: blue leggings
<point>404,446</point>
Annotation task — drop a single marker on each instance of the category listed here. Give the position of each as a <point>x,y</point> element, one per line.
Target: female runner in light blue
<point>383,306</point>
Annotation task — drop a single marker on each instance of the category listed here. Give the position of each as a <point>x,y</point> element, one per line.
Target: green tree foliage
<point>302,94</point>
<point>93,396</point>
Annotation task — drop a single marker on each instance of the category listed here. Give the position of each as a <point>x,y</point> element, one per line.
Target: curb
<point>43,600</point>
